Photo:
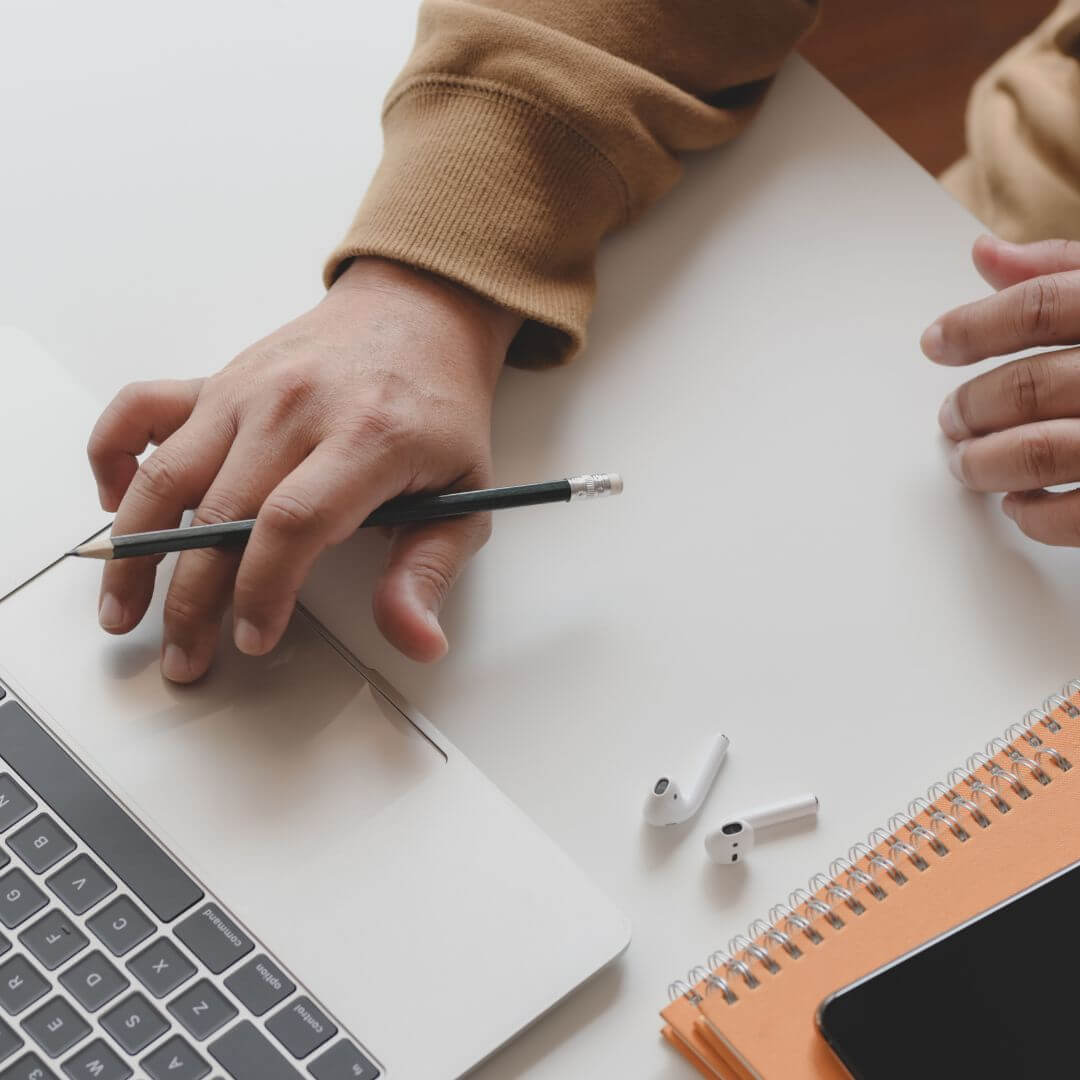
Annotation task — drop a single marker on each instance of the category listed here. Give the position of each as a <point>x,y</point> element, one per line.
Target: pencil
<point>399,511</point>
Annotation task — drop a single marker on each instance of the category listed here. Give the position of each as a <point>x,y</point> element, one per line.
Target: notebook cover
<point>770,1030</point>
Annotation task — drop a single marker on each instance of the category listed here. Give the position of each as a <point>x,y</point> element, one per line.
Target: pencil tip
<point>93,549</point>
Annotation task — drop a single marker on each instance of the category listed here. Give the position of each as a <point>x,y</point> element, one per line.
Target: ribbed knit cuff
<point>485,187</point>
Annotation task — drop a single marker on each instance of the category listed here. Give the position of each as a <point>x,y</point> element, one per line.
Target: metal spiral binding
<point>748,960</point>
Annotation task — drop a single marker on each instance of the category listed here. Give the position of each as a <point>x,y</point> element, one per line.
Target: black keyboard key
<point>343,1062</point>
<point>54,939</point>
<point>108,830</point>
<point>120,925</point>
<point>161,967</point>
<point>10,1041</point>
<point>245,1053</point>
<point>30,1067</point>
<point>21,985</point>
<point>55,1027</point>
<point>134,1023</point>
<point>260,984</point>
<point>19,898</point>
<point>301,1027</point>
<point>41,843</point>
<point>81,884</point>
<point>96,1061</point>
<point>15,804</point>
<point>174,1059</point>
<point>214,938</point>
<point>202,1009</point>
<point>93,981</point>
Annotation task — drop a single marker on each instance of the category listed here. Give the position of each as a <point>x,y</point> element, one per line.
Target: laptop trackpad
<point>266,753</point>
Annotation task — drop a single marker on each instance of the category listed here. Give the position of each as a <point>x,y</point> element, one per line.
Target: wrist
<point>489,325</point>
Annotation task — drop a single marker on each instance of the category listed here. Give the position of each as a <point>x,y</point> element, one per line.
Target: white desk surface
<point>790,562</point>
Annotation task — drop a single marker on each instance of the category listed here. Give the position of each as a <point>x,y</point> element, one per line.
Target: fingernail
<point>433,621</point>
<point>952,423</point>
<point>248,638</point>
<point>110,612</point>
<point>175,665</point>
<point>932,342</point>
<point>956,465</point>
<point>956,460</point>
<point>1008,507</point>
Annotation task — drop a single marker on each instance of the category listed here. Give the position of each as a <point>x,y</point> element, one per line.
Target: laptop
<point>282,872</point>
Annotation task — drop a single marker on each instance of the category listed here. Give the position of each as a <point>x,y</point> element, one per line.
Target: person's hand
<point>1016,429</point>
<point>385,388</point>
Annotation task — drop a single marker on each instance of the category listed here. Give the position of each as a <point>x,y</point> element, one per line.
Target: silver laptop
<point>284,871</point>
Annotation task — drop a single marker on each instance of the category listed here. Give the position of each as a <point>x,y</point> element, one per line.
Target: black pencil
<point>400,511</point>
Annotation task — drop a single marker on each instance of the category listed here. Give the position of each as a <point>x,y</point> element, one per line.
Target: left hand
<point>1016,429</point>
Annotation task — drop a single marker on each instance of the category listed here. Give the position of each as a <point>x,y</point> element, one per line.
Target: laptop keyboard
<point>113,960</point>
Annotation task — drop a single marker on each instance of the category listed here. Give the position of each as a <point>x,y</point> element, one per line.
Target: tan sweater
<point>522,131</point>
<point>1021,175</point>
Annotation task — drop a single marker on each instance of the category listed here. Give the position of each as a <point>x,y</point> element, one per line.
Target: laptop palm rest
<point>336,824</point>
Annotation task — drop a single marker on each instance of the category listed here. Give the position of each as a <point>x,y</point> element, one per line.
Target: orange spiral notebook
<point>1008,818</point>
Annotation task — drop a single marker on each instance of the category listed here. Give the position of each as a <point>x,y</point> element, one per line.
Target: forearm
<point>520,133</point>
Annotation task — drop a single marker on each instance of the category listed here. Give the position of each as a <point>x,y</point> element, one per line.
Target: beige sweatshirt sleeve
<point>1021,174</point>
<point>522,131</point>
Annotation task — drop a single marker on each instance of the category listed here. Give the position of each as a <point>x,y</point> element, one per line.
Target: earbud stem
<point>789,810</point>
<point>715,752</point>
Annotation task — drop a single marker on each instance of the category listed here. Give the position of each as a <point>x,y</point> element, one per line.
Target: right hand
<point>384,388</point>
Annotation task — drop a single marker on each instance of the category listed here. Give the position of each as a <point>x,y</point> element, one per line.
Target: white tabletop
<point>790,562</point>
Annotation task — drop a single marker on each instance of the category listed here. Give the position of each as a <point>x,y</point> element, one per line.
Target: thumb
<point>1003,264</point>
<point>423,563</point>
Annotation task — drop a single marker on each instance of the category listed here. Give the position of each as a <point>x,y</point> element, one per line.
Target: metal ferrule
<point>595,484</point>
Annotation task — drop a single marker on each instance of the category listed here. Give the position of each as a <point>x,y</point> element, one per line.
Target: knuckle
<point>375,424</point>
<point>183,607</point>
<point>1040,307</point>
<point>1026,388</point>
<point>99,445</point>
<point>159,473</point>
<point>130,397</point>
<point>216,507</point>
<point>437,568</point>
<point>125,401</point>
<point>290,515</point>
<point>293,387</point>
<point>1038,457</point>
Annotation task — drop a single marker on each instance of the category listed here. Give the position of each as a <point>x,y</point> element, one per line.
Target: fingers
<point>1043,310</point>
<point>202,582</point>
<point>141,414</point>
<point>1047,516</point>
<point>423,563</point>
<point>1020,459</point>
<point>320,503</point>
<point>1041,387</point>
<point>1003,264</point>
<point>172,479</point>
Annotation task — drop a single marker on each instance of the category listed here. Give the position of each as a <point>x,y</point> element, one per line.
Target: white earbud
<point>731,842</point>
<point>668,804</point>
